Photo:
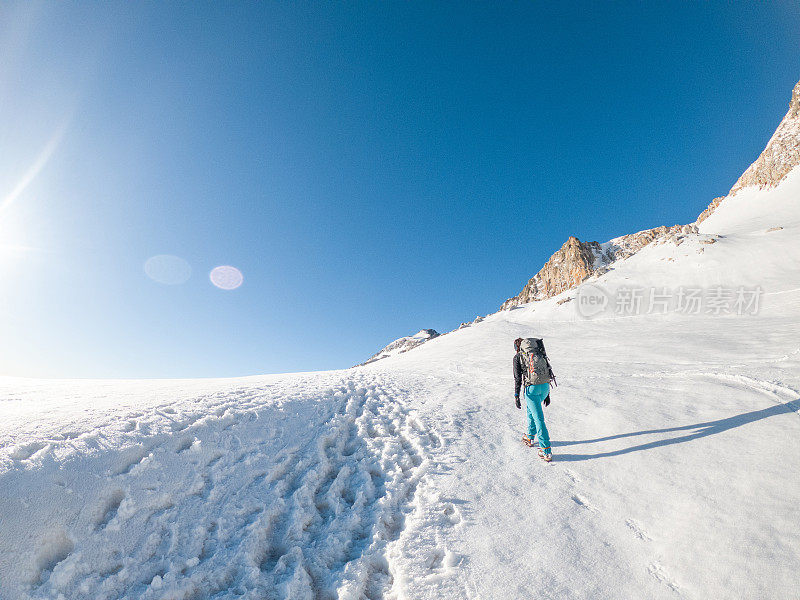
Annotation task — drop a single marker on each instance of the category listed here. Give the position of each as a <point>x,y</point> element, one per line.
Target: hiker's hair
<point>517,342</point>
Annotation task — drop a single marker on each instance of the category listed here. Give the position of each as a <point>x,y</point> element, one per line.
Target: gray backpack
<point>535,366</point>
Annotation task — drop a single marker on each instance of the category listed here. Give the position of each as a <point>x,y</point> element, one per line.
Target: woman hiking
<point>533,373</point>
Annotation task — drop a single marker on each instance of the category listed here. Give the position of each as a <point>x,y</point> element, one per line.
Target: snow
<point>675,440</point>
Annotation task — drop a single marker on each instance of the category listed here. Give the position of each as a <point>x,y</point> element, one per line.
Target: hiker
<point>532,372</point>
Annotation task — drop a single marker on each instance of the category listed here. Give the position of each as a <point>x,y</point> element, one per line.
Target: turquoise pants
<point>534,395</point>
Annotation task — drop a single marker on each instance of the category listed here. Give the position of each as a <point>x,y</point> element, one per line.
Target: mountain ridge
<point>576,260</point>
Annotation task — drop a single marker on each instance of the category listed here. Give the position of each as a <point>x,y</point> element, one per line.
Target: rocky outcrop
<point>780,156</point>
<point>403,344</point>
<point>571,264</point>
<point>622,247</point>
<point>576,261</point>
<point>711,208</point>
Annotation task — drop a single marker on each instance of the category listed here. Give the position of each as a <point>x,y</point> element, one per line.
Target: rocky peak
<point>576,261</point>
<point>565,269</point>
<point>780,156</point>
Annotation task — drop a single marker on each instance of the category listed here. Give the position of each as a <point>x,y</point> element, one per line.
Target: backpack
<point>535,366</point>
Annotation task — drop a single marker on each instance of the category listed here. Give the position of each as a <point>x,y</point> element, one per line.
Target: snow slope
<point>676,441</point>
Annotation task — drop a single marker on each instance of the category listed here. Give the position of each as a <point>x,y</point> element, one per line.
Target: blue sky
<point>371,168</point>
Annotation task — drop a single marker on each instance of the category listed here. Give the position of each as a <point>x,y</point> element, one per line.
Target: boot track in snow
<point>315,521</point>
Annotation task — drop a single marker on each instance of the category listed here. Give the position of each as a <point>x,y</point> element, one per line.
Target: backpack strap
<point>549,366</point>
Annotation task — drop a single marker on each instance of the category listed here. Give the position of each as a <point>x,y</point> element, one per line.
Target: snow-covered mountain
<point>576,261</point>
<point>403,344</point>
<point>674,427</point>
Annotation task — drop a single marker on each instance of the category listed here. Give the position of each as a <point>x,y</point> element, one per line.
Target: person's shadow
<point>700,430</point>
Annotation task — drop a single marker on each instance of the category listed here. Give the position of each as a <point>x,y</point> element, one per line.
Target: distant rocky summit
<point>780,156</point>
<point>576,261</point>
<point>403,344</point>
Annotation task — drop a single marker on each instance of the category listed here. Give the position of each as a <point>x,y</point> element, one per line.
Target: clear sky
<point>371,168</point>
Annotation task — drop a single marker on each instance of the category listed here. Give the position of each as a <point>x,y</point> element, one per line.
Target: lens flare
<point>226,277</point>
<point>168,269</point>
<point>37,166</point>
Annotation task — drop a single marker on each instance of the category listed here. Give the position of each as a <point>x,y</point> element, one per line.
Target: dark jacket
<point>517,374</point>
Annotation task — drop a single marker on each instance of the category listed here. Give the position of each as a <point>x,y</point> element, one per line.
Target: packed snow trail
<point>253,500</point>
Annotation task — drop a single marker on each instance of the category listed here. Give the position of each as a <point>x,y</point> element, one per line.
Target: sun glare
<point>12,246</point>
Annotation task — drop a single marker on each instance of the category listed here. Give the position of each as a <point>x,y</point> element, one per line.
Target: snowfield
<point>676,442</point>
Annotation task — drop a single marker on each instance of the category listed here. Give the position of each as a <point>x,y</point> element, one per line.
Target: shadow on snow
<point>700,430</point>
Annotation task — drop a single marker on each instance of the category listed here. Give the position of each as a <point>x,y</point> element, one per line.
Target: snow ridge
<point>573,264</point>
<point>780,156</point>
